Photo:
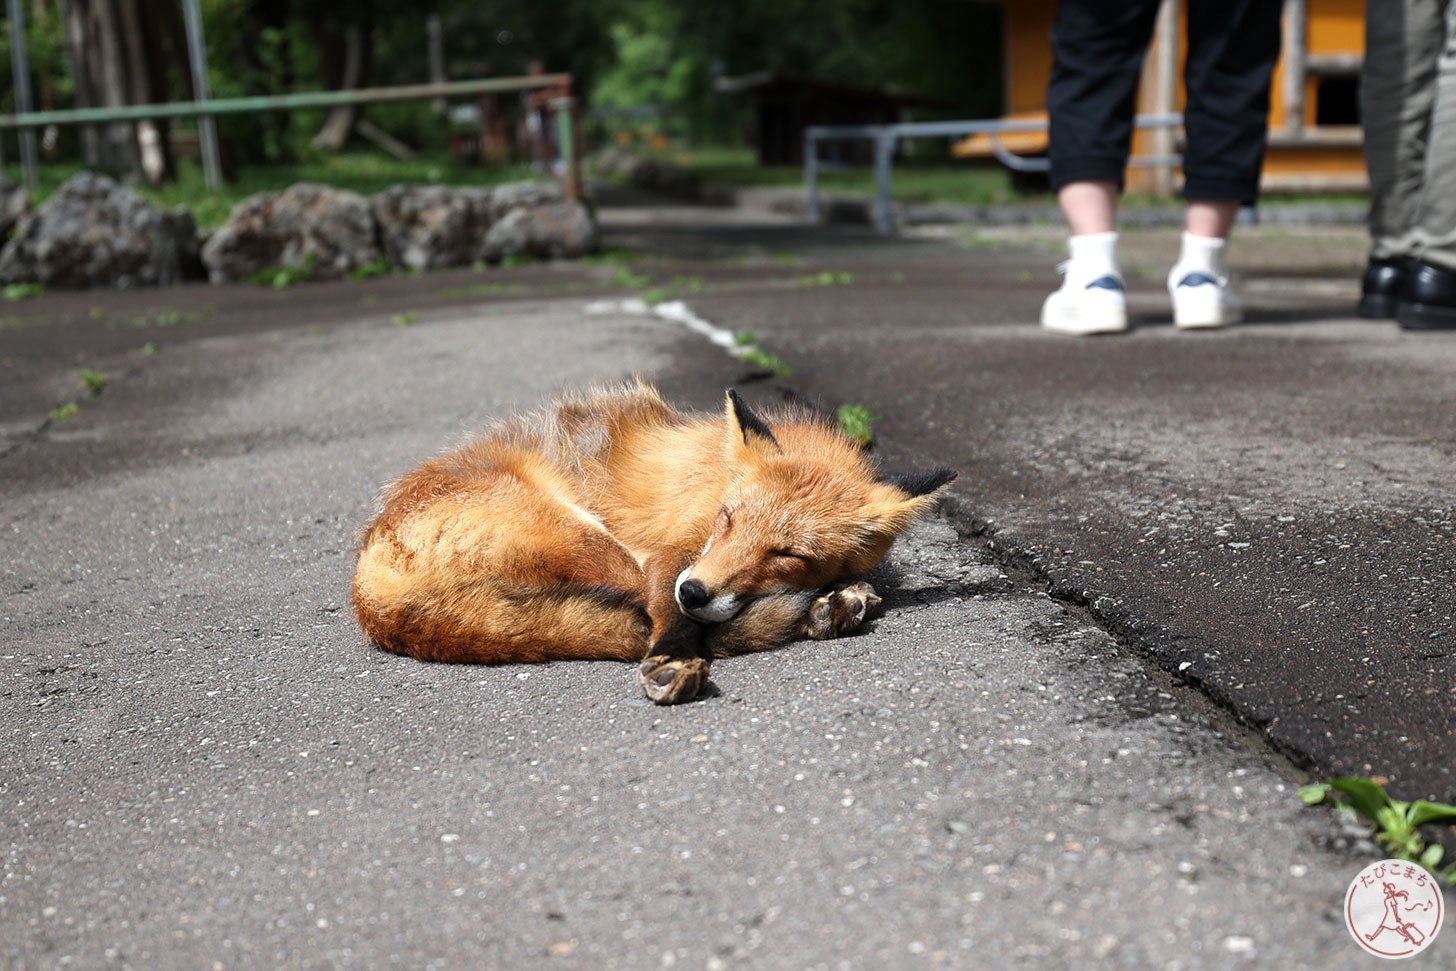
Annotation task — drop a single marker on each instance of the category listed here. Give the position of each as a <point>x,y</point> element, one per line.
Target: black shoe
<point>1428,301</point>
<point>1380,289</point>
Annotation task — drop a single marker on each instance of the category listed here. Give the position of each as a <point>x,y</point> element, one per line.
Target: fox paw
<point>841,611</point>
<point>672,680</point>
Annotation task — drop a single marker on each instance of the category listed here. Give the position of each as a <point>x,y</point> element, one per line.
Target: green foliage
<point>744,339</point>
<point>407,319</point>
<point>857,423</point>
<point>68,410</point>
<point>624,277</point>
<point>285,276</point>
<point>826,278</point>
<point>758,357</point>
<point>22,291</point>
<point>370,270</point>
<point>92,380</point>
<point>1396,824</point>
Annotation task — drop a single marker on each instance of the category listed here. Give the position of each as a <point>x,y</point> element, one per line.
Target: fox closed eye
<point>789,555</point>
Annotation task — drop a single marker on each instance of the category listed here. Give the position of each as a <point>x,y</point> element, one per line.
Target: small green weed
<point>627,280</point>
<point>150,349</point>
<point>96,313</point>
<point>92,380</point>
<point>761,358</point>
<point>655,296</point>
<point>857,423</point>
<point>476,290</point>
<point>826,278</point>
<point>68,410</point>
<point>22,291</point>
<point>285,276</point>
<point>519,259</point>
<point>744,339</point>
<point>407,319</point>
<point>1397,824</point>
<point>370,270</point>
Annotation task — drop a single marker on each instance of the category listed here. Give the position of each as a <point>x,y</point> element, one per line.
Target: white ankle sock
<point>1201,254</point>
<point>1093,255</point>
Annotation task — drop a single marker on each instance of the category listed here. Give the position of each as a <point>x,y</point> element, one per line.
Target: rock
<point>94,232</point>
<point>652,174</point>
<point>423,227</point>
<point>14,206</point>
<point>554,230</point>
<point>326,232</point>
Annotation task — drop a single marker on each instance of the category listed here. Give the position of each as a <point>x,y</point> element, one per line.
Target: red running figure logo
<point>1393,909</point>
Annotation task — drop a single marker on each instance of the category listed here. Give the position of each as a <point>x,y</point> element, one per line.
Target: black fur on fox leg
<point>676,667</point>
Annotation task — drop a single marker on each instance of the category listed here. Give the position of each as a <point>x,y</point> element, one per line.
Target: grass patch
<point>68,410</point>
<point>149,349</point>
<point>744,338</point>
<point>625,278</point>
<point>758,357</point>
<point>370,270</point>
<point>92,380</point>
<point>22,291</point>
<point>167,317</point>
<point>407,319</point>
<point>1395,824</point>
<point>476,290</point>
<point>826,278</point>
<point>857,423</point>
<point>285,276</point>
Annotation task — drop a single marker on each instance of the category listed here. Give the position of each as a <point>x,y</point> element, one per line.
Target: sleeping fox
<point>612,526</point>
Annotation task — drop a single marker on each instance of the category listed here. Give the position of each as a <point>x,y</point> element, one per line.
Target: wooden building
<point>1314,132</point>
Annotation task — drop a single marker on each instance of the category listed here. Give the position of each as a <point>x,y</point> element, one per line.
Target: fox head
<point>796,515</point>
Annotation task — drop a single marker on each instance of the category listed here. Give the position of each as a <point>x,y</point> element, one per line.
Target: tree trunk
<point>99,67</point>
<point>145,84</point>
<point>353,73</point>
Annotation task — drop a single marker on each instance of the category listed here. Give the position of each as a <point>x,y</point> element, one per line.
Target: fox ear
<point>897,501</point>
<point>746,429</point>
<point>916,484</point>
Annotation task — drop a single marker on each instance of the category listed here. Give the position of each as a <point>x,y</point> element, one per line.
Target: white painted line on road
<point>676,311</point>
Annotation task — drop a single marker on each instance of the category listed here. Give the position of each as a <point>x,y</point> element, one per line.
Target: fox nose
<point>691,594</point>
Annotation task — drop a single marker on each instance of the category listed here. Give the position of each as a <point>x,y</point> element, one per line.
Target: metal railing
<point>886,138</point>
<point>563,106</point>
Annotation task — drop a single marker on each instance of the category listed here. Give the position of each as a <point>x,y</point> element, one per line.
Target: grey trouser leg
<point>1403,43</point>
<point>1435,234</point>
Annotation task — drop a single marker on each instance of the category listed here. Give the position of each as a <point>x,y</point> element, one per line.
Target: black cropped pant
<point>1098,48</point>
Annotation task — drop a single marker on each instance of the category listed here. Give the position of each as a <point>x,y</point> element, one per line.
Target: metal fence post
<point>884,154</point>
<point>20,66</point>
<point>811,176</point>
<point>206,127</point>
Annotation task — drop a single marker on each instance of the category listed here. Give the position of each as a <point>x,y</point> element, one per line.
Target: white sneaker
<point>1202,300</point>
<point>1082,307</point>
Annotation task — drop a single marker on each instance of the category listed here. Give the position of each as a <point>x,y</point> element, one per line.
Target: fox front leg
<point>676,666</point>
<point>838,612</point>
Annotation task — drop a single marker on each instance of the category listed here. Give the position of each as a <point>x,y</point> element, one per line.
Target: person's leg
<point>1429,298</point>
<point>1397,89</point>
<point>1232,48</point>
<point>1098,48</point>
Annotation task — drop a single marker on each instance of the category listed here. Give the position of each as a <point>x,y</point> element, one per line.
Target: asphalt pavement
<point>205,765</point>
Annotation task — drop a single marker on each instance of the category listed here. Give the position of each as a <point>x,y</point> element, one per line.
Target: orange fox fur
<point>611,526</point>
